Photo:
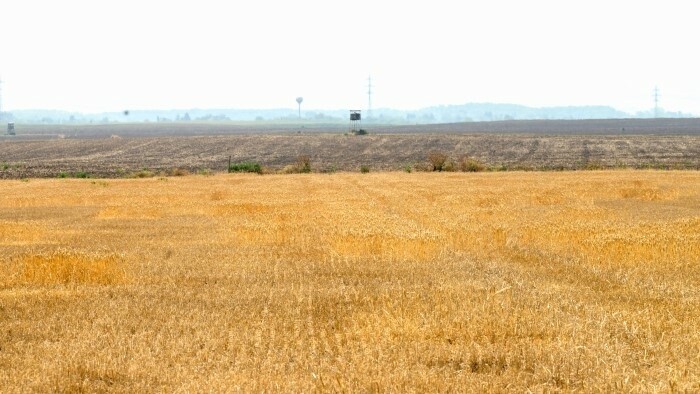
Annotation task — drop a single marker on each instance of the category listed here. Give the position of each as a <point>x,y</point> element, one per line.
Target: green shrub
<point>468,164</point>
<point>145,173</point>
<point>81,174</point>
<point>449,166</point>
<point>63,174</point>
<point>301,166</point>
<point>330,170</point>
<point>364,168</point>
<point>246,166</point>
<point>361,132</point>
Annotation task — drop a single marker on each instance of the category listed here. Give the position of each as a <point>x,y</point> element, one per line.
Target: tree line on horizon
<point>473,112</point>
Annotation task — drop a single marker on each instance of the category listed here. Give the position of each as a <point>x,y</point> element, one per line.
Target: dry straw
<point>421,282</point>
<point>66,267</point>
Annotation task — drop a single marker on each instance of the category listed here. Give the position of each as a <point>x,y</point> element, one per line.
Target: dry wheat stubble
<point>404,282</point>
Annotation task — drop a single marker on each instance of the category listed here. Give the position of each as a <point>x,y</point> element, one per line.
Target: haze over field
<point>78,55</point>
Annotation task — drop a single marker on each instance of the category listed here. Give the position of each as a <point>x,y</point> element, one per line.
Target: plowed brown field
<point>118,157</point>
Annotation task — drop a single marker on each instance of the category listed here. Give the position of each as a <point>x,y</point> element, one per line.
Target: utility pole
<point>369,97</point>
<point>656,102</point>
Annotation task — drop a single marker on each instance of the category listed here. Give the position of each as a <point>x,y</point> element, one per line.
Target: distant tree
<point>303,164</point>
<point>437,160</point>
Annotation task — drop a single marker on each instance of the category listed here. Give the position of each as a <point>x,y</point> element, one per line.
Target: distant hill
<point>476,112</point>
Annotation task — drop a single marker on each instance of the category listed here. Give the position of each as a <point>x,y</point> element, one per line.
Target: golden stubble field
<point>352,282</point>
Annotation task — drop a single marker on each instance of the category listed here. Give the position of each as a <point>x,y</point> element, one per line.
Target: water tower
<point>355,121</point>
<point>299,100</point>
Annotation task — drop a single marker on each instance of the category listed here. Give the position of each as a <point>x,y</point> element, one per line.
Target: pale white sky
<point>91,56</point>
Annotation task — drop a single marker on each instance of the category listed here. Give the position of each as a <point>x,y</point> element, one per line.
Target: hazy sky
<point>88,55</point>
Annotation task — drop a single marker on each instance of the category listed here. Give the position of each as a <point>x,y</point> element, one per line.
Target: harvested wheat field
<point>352,282</point>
